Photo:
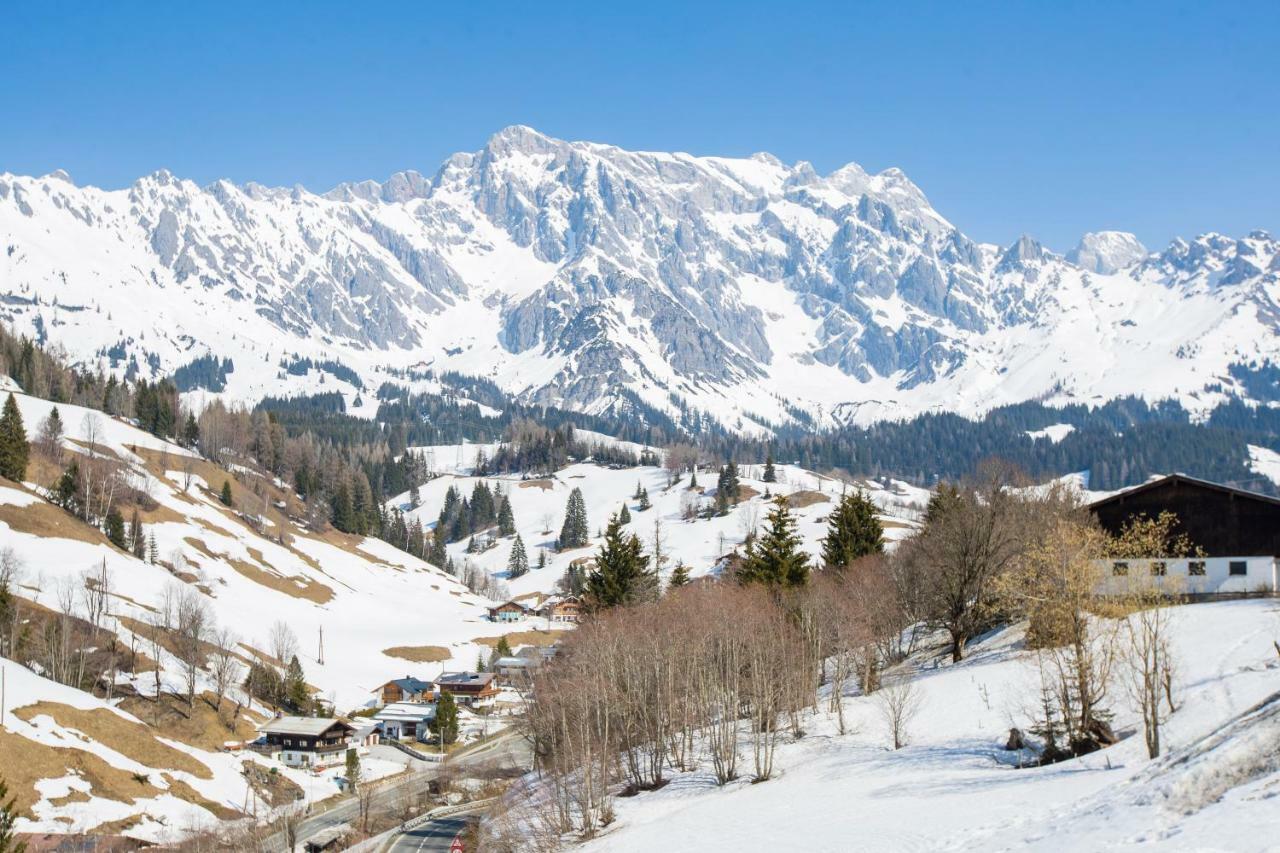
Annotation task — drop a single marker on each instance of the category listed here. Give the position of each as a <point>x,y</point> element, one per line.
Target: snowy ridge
<point>568,271</point>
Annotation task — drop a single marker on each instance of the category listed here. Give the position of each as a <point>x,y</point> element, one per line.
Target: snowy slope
<point>571,272</point>
<point>110,768</point>
<point>538,508</point>
<point>954,788</point>
<point>367,595</point>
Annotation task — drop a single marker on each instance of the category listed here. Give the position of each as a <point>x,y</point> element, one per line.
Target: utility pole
<point>320,654</point>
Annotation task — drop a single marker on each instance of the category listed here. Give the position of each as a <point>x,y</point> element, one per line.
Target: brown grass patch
<point>296,586</point>
<point>545,485</point>
<point>419,654</point>
<point>523,638</point>
<point>126,737</point>
<point>806,497</point>
<point>42,469</point>
<point>746,493</point>
<point>26,762</point>
<point>46,520</point>
<point>201,726</point>
<point>887,523</point>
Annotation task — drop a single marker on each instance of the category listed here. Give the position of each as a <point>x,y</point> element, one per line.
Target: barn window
<point>1159,568</point>
<point>1119,569</point>
<point>1238,567</point>
<point>1196,568</point>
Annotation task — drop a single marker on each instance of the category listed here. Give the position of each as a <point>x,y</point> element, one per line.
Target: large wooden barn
<point>1236,531</point>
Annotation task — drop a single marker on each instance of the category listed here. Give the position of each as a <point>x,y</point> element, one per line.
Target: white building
<point>1193,575</point>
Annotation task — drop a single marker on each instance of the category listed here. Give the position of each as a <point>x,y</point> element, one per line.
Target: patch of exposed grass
<point>523,638</point>
<point>26,762</point>
<point>419,654</point>
<point>806,497</point>
<point>126,737</point>
<point>48,521</point>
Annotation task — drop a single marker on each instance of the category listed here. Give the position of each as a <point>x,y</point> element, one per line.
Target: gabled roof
<point>508,603</point>
<point>407,711</point>
<point>408,684</point>
<point>464,679</point>
<point>1180,479</point>
<point>306,726</point>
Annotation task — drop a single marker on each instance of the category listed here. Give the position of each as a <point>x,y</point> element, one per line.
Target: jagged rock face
<point>1107,251</point>
<point>568,271</point>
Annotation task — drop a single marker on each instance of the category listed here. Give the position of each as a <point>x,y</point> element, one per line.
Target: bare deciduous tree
<point>899,701</point>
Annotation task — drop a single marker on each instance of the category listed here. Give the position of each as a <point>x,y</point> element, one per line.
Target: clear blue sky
<point>1049,118</point>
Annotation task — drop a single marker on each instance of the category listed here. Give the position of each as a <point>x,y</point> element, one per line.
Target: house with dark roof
<point>307,741</point>
<point>508,611</point>
<point>467,688</point>
<point>1235,531</point>
<point>407,689</point>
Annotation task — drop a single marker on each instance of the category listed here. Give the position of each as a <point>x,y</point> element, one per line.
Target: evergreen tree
<point>644,500</point>
<point>296,691</point>
<point>8,817</point>
<point>191,431</point>
<point>506,520</point>
<point>775,558</point>
<point>153,551</point>
<point>353,770</point>
<point>727,483</point>
<point>136,538</point>
<point>639,489</point>
<point>518,563</point>
<point>693,478</point>
<point>621,575</point>
<point>50,435</point>
<point>944,498</point>
<point>770,475</point>
<point>503,648</point>
<point>447,718</point>
<point>66,493</point>
<point>542,558</point>
<point>114,528</point>
<point>624,516</point>
<point>679,576</point>
<point>226,493</point>
<point>438,556</point>
<point>853,531</point>
<point>483,509</point>
<point>14,449</point>
<point>344,516</point>
<point>574,533</point>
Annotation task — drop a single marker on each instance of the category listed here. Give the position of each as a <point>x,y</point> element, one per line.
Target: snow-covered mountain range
<point>580,274</point>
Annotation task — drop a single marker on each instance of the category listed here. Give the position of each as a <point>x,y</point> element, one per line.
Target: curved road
<point>435,836</point>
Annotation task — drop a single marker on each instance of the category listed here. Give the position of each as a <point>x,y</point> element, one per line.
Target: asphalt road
<point>507,748</point>
<point>434,836</point>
